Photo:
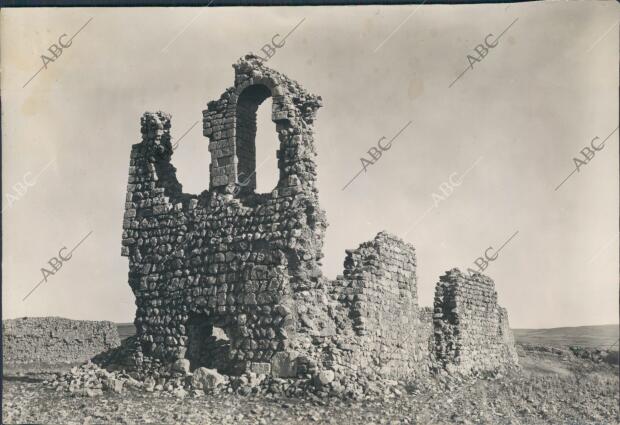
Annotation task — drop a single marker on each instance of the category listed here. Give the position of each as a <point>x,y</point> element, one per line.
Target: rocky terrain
<point>553,386</point>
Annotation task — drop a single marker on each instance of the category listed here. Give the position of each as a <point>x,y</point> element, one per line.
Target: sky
<point>476,165</point>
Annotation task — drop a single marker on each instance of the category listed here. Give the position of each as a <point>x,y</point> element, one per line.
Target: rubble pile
<point>91,380</point>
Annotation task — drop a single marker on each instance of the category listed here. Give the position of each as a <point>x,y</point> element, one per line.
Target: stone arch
<point>293,112</point>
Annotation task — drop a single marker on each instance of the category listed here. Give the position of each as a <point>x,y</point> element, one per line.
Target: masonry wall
<point>226,259</point>
<point>54,339</point>
<point>380,289</point>
<point>471,330</point>
<point>231,279</point>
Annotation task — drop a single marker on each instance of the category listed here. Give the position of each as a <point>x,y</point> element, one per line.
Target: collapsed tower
<point>230,279</point>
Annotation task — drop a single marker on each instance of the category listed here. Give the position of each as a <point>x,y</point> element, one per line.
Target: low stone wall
<point>54,339</point>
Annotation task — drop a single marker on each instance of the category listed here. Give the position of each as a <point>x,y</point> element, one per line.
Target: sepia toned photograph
<point>311,214</point>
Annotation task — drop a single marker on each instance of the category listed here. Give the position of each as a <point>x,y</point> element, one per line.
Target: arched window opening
<point>267,173</point>
<point>256,150</point>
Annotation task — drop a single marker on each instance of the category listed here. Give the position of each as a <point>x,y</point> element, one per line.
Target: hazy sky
<point>514,122</point>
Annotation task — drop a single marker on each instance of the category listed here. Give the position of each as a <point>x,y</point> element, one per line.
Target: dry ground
<point>550,389</point>
<point>585,336</point>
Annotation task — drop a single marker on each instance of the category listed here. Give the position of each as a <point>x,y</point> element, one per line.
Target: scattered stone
<point>206,379</point>
<point>325,377</point>
<point>115,385</point>
<point>179,393</point>
<point>181,366</point>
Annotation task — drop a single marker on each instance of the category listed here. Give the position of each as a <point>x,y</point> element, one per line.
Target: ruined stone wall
<point>230,279</point>
<point>507,343</point>
<point>367,322</point>
<point>225,259</point>
<point>54,339</point>
<point>471,330</point>
<point>379,287</point>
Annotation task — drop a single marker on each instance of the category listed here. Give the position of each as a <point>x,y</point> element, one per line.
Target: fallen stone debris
<point>91,380</point>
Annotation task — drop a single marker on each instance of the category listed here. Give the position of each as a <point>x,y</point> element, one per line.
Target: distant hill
<point>586,336</point>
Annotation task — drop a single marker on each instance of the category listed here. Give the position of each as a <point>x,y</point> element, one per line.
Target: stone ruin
<point>231,279</point>
<point>52,340</point>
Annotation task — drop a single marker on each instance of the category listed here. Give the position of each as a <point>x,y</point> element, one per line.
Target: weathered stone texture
<point>231,280</point>
<point>227,258</point>
<point>471,329</point>
<point>380,290</point>
<point>424,344</point>
<point>54,339</point>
